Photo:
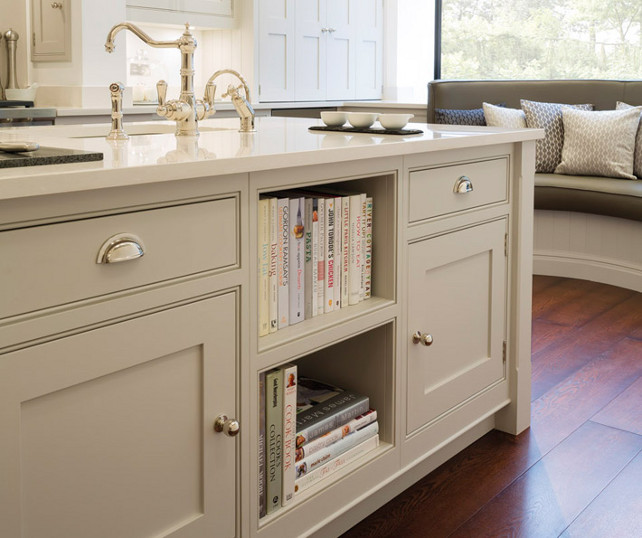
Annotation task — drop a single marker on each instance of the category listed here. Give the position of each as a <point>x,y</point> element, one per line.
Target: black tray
<point>46,155</point>
<point>9,104</point>
<point>369,130</point>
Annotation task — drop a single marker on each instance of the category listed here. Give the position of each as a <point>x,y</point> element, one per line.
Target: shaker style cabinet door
<point>51,31</point>
<point>110,432</point>
<point>456,319</point>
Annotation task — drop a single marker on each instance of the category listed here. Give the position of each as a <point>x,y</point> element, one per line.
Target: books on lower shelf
<point>308,429</point>
<point>315,254</point>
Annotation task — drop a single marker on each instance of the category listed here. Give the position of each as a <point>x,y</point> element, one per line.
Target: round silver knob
<point>420,338</point>
<point>229,426</point>
<point>56,5</point>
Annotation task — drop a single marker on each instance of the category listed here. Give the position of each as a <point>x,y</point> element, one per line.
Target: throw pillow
<point>499,116</point>
<point>452,116</point>
<point>547,116</point>
<point>637,155</point>
<point>599,143</point>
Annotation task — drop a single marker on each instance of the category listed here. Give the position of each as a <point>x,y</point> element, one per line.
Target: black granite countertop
<point>45,155</point>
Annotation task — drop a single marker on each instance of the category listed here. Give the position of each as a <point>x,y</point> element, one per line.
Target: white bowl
<point>394,121</point>
<point>334,119</point>
<point>361,120</point>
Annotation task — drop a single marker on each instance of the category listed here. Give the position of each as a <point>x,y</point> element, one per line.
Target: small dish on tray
<point>334,119</point>
<point>394,121</point>
<point>361,120</point>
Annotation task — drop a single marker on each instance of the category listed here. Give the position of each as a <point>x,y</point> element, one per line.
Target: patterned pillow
<point>452,116</point>
<point>637,156</point>
<point>499,116</point>
<point>548,116</point>
<point>599,143</point>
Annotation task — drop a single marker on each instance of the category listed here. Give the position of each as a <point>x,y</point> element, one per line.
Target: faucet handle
<point>161,91</point>
<point>210,91</point>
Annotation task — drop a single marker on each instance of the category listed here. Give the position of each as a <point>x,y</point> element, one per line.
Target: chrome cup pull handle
<point>121,248</point>
<point>463,185</point>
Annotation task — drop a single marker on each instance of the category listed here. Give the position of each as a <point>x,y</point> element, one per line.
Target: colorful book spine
<point>329,256</point>
<point>273,292</point>
<point>274,438</point>
<point>363,247</point>
<point>263,243</point>
<point>336,464</point>
<point>309,273</point>
<point>283,261</point>
<point>354,291</point>
<point>262,469</point>
<point>315,256</point>
<point>336,435</point>
<point>328,415</point>
<point>289,381</point>
<point>297,261</point>
<point>345,250</point>
<point>368,253</point>
<point>330,452</point>
<point>338,237</point>
<point>321,265</point>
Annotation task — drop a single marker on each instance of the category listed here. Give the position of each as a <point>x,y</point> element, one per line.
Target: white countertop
<point>220,149</point>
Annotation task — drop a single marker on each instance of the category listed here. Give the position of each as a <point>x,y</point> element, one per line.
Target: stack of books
<point>308,430</point>
<point>314,255</point>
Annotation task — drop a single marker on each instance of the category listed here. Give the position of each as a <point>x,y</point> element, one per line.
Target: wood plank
<point>625,412</point>
<point>550,495</point>
<point>617,511</point>
<point>541,282</point>
<point>546,334</point>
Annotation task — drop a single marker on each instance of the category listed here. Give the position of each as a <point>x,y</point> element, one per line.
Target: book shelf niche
<point>362,364</point>
<point>379,254</point>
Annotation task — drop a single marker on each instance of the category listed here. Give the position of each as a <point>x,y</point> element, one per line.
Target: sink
<point>101,130</point>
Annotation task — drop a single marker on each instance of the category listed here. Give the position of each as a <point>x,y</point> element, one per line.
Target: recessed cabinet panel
<point>51,27</point>
<point>456,305</point>
<point>276,50</point>
<point>110,432</point>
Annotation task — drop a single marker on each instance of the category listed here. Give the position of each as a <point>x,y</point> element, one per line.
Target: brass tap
<point>241,102</point>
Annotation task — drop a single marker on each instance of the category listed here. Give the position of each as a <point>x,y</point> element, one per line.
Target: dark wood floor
<point>577,472</point>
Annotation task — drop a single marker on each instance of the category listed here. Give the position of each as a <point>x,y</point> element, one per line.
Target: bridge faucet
<point>186,110</point>
<point>241,102</point>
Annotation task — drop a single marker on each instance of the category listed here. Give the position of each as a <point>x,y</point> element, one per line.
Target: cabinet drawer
<point>56,264</point>
<point>433,191</point>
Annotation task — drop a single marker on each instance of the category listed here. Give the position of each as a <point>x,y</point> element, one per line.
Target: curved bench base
<point>590,247</point>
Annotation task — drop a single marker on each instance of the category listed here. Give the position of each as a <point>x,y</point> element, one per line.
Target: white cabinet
<point>316,50</point>
<point>51,31</point>
<point>199,13</point>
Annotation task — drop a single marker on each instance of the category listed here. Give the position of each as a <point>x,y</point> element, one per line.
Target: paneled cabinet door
<point>199,13</point>
<point>276,50</point>
<point>456,307</point>
<point>51,31</point>
<point>110,432</point>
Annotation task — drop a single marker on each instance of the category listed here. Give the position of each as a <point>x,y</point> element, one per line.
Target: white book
<point>315,256</point>
<point>354,291</point>
<point>368,253</point>
<point>289,383</point>
<point>363,247</point>
<point>338,249</point>
<point>329,256</point>
<point>321,264</point>
<point>336,464</point>
<point>263,244</point>
<point>297,260</point>
<point>345,250</point>
<point>283,261</point>
<point>308,287</point>
<point>273,291</point>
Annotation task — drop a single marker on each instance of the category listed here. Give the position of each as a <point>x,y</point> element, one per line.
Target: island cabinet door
<point>456,319</point>
<point>110,432</point>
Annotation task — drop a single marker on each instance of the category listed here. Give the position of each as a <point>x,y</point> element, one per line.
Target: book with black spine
<point>262,468</point>
<point>274,438</point>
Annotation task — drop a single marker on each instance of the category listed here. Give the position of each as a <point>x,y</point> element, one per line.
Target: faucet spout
<point>109,44</point>
<point>241,102</point>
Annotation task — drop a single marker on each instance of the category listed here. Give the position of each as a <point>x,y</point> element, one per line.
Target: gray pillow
<point>499,116</point>
<point>548,116</point>
<point>637,155</point>
<point>599,143</point>
<point>453,116</point>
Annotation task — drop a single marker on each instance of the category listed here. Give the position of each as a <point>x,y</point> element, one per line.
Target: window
<point>538,39</point>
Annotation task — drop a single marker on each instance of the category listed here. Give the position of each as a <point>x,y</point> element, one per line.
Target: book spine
<point>283,261</point>
<point>336,464</point>
<point>308,287</point>
<point>329,256</point>
<point>263,243</point>
<point>274,429</point>
<point>315,256</point>
<point>329,415</point>
<point>355,250</point>
<point>335,435</point>
<point>289,382</point>
<point>262,469</point>
<point>330,452</point>
<point>368,254</point>
<point>297,260</point>
<point>273,285</point>
<point>338,237</point>
<point>363,247</point>
<point>321,265</point>
<point>345,250</point>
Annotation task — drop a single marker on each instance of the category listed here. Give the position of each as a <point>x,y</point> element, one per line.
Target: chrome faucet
<point>186,110</point>
<point>241,102</point>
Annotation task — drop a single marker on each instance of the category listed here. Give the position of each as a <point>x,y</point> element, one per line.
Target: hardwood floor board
<point>541,282</point>
<point>552,493</point>
<point>546,333</point>
<point>576,399</point>
<point>625,411</point>
<point>617,512</point>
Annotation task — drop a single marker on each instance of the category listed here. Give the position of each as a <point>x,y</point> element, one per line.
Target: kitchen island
<point>129,321</point>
